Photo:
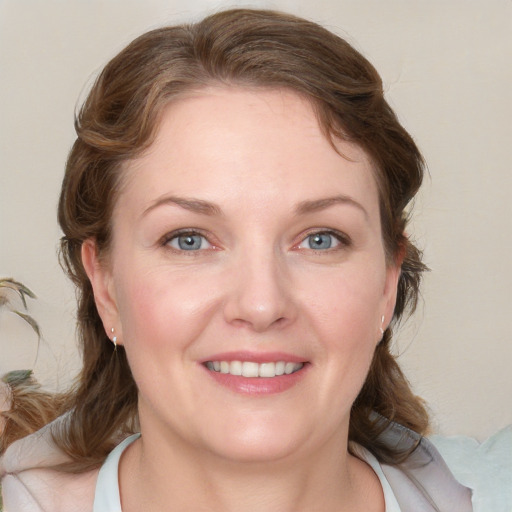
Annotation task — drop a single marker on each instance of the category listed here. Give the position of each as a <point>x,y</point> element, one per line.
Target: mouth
<point>251,369</point>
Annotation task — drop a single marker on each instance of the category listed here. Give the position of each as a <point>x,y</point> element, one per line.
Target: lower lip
<point>259,385</point>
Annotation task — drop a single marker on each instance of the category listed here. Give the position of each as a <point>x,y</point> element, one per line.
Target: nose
<point>261,293</point>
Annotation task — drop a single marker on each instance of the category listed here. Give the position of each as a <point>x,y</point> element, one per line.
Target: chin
<point>257,441</point>
<point>256,451</point>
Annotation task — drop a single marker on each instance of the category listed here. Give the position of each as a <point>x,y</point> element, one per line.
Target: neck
<point>157,472</point>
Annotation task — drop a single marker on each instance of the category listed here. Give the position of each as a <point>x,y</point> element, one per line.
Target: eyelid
<point>168,237</point>
<point>343,239</point>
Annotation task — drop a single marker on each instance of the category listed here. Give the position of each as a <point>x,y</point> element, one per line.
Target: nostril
<point>258,301</point>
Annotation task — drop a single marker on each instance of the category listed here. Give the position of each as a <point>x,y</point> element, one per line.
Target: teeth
<point>280,367</point>
<point>267,370</point>
<point>236,368</point>
<point>289,368</point>
<point>251,369</point>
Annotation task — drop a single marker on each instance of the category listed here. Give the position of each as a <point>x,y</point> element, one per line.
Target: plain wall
<point>447,72</point>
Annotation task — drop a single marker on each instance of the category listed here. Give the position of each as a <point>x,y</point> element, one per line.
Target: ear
<point>390,293</point>
<point>101,280</point>
<point>393,271</point>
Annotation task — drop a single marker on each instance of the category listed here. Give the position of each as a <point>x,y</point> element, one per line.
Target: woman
<point>233,213</point>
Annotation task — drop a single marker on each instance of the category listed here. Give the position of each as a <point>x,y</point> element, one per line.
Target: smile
<point>252,369</point>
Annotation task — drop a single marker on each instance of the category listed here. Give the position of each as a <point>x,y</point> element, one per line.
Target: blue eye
<point>189,242</point>
<point>320,241</point>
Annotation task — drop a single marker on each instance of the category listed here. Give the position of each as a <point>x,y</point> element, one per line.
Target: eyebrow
<point>193,205</point>
<point>321,204</point>
<point>206,208</point>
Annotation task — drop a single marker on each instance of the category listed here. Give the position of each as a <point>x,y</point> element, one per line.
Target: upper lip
<point>255,357</point>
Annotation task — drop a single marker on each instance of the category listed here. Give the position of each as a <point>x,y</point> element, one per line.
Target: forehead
<point>252,142</point>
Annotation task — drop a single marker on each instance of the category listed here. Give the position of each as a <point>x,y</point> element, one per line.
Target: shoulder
<point>424,479</point>
<point>422,482</point>
<point>30,485</point>
<point>43,490</point>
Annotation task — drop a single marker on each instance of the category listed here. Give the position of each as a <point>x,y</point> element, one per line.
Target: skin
<point>255,285</point>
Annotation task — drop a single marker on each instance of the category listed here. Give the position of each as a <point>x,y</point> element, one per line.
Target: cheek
<point>348,302</point>
<point>160,322</point>
<point>159,310</point>
<point>346,317</point>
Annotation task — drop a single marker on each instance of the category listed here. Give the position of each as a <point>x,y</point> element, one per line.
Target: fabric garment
<point>106,497</point>
<point>423,483</point>
<point>484,466</point>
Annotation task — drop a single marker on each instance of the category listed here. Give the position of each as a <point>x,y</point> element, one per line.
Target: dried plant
<point>9,288</point>
<point>12,293</point>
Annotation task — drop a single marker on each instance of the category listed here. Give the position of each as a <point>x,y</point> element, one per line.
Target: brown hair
<point>29,409</point>
<point>118,121</point>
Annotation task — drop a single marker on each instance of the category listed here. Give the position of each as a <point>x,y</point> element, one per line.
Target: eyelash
<point>343,239</point>
<point>169,237</point>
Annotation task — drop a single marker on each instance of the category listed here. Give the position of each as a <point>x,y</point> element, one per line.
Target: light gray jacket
<point>423,483</point>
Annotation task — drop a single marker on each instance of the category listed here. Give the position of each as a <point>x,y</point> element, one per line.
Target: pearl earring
<point>114,338</point>
<point>382,325</point>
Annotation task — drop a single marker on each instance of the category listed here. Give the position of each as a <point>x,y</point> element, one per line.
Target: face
<point>247,278</point>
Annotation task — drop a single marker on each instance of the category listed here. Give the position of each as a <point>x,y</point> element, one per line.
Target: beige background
<point>447,66</point>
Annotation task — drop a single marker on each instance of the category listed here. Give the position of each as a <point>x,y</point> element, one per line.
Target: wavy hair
<point>119,120</point>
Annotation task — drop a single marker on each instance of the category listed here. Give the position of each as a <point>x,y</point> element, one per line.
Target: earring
<point>114,338</point>
<point>382,325</point>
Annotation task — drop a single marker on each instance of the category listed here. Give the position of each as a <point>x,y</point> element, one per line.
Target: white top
<point>107,498</point>
<point>421,483</point>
